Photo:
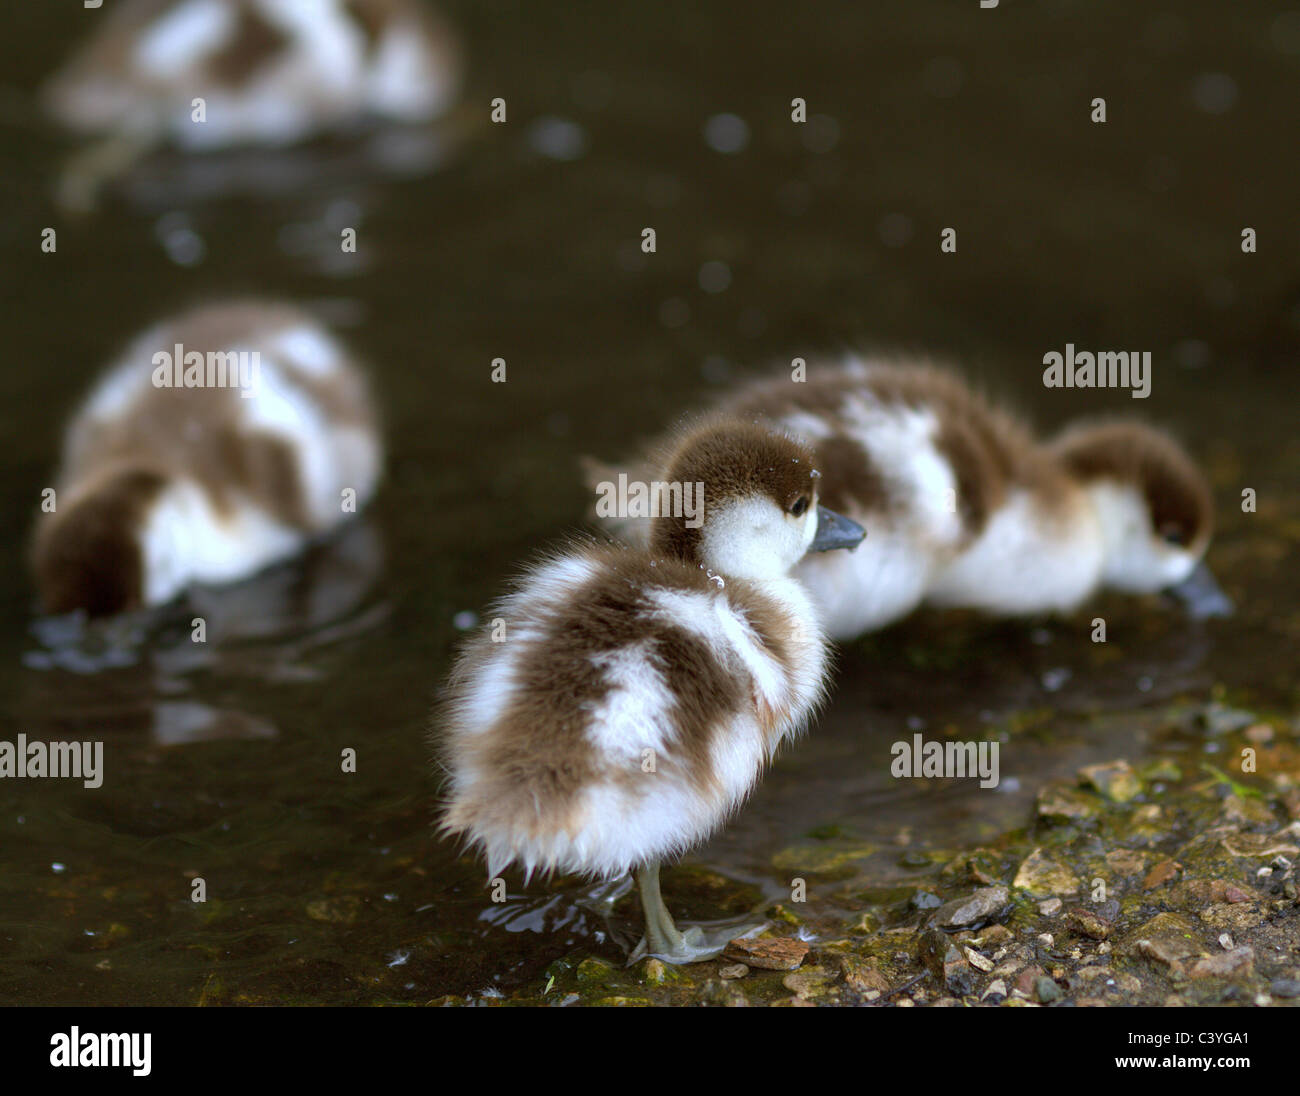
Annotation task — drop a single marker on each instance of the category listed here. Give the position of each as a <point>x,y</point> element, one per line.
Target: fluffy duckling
<point>222,441</point>
<point>269,72</point>
<point>966,509</point>
<point>638,694</point>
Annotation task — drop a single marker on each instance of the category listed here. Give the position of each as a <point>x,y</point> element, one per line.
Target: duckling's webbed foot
<point>663,940</point>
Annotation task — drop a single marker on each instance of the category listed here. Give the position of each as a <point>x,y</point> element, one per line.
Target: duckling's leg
<point>665,941</point>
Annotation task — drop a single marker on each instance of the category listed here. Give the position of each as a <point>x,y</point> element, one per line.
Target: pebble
<point>1285,987</point>
<point>733,970</point>
<point>983,905</point>
<point>1050,907</point>
<point>1047,990</point>
<point>1116,780</point>
<point>767,953</point>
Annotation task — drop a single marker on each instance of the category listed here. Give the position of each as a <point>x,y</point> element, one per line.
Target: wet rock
<point>1161,874</point>
<point>1116,780</point>
<point>1246,811</point>
<point>810,983</point>
<point>863,976</point>
<point>1042,877</point>
<point>924,900</point>
<point>1232,915</point>
<point>939,955</point>
<point>655,971</point>
<point>1257,845</point>
<point>1126,861</point>
<point>733,971</point>
<point>979,866</point>
<point>996,991</point>
<point>1217,719</point>
<point>1063,802</point>
<point>1285,987</point>
<point>1050,907</point>
<point>1236,963</point>
<point>985,904</point>
<point>978,961</point>
<point>767,953</point>
<point>994,935</point>
<point>1089,923</point>
<point>1167,939</point>
<point>1046,990</point>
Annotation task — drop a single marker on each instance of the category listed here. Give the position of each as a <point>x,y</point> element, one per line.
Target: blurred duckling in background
<point>165,482</point>
<point>268,72</point>
<point>967,510</point>
<point>638,694</point>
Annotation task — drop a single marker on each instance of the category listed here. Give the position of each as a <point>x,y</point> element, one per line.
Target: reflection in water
<point>266,629</point>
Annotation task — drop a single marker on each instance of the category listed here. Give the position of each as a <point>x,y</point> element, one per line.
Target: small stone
<point>994,935</point>
<point>863,976</point>
<point>656,972</point>
<point>1229,964</point>
<point>807,983</point>
<point>1043,877</point>
<point>1167,939</point>
<point>924,900</point>
<point>1285,987</point>
<point>997,988</point>
<point>732,971</point>
<point>985,904</point>
<point>1062,802</point>
<point>1047,990</point>
<point>978,961</point>
<point>1126,861</point>
<point>1116,780</point>
<point>1161,874</point>
<point>767,953</point>
<point>1089,923</point>
<point>906,1002</point>
<point>1050,907</point>
<point>940,956</point>
<point>1225,942</point>
<point>1046,939</point>
<point>1259,733</point>
<point>1220,719</point>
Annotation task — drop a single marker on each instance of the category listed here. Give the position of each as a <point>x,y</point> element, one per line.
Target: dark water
<point>330,887</point>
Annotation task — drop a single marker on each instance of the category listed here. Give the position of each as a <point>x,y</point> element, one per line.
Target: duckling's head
<point>87,553</point>
<point>754,493</point>
<point>1154,504</point>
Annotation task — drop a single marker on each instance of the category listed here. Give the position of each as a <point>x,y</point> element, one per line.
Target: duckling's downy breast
<point>628,708</point>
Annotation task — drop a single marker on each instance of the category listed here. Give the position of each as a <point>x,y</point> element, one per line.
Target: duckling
<point>638,694</point>
<point>269,73</point>
<point>967,509</point>
<point>274,442</point>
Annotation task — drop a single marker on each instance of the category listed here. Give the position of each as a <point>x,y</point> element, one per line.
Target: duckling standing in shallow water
<point>637,695</point>
<point>267,72</point>
<point>967,510</point>
<point>221,442</point>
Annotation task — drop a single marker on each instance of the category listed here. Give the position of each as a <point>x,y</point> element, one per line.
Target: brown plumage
<point>244,474</point>
<point>697,654</point>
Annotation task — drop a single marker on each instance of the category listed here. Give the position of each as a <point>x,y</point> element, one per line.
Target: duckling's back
<point>625,709</point>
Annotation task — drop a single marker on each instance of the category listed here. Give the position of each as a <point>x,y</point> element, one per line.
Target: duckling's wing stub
<point>835,531</point>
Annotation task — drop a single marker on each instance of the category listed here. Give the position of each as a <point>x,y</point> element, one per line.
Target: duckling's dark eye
<point>1172,534</point>
<point>799,507</point>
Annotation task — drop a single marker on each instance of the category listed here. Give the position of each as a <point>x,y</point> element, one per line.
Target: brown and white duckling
<point>967,509</point>
<point>268,72</point>
<point>637,695</point>
<point>220,442</point>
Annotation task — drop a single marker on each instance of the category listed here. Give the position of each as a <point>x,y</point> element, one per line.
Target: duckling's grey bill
<point>1201,595</point>
<point>835,531</point>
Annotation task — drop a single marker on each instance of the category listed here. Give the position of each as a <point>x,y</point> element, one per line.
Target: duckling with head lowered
<point>217,74</point>
<point>222,441</point>
<point>638,694</point>
<point>968,510</point>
